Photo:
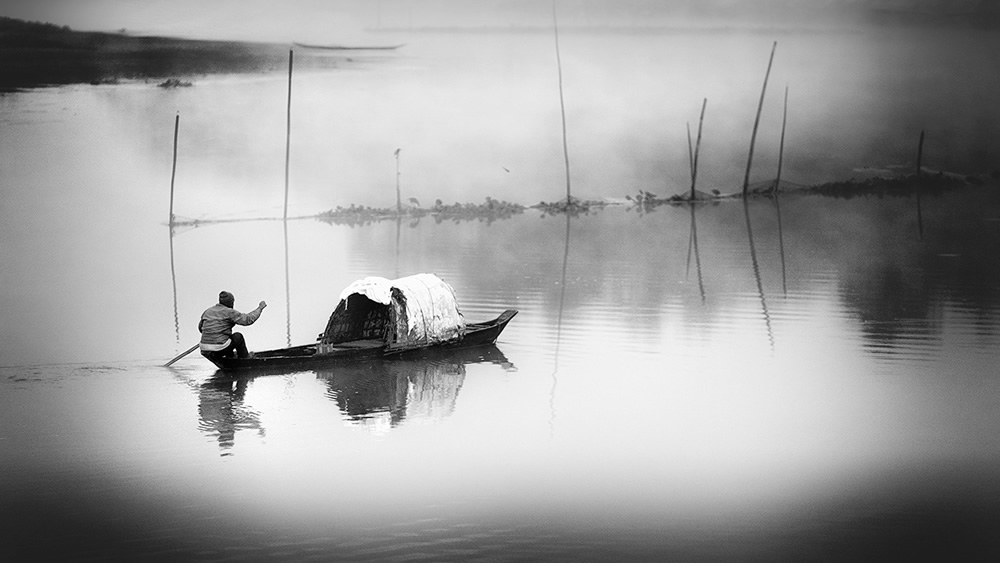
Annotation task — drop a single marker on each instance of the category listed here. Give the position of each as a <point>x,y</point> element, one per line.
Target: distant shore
<point>36,55</point>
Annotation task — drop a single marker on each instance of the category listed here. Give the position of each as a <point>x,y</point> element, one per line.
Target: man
<point>216,328</point>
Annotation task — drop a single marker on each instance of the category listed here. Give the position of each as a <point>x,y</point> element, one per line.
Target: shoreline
<point>39,55</point>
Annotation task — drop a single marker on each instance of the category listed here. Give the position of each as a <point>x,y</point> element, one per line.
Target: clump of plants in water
<point>355,215</point>
<point>570,206</point>
<point>900,187</point>
<point>174,83</point>
<point>645,201</point>
<point>489,211</point>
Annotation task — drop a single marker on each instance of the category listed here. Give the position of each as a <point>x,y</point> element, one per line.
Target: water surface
<point>804,377</point>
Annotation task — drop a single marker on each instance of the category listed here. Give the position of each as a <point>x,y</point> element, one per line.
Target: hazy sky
<point>290,20</point>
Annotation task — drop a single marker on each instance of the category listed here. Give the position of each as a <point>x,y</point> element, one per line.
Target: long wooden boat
<point>308,356</point>
<point>377,318</point>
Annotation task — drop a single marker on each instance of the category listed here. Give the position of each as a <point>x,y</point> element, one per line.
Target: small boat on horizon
<point>381,318</point>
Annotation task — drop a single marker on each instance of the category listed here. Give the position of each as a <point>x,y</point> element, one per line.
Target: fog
<point>344,20</point>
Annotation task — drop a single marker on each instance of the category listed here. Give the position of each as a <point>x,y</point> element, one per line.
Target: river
<point>800,377</point>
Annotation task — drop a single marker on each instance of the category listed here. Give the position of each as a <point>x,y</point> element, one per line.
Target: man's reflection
<point>221,411</point>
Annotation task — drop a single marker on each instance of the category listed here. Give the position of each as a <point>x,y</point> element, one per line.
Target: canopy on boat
<point>409,312</point>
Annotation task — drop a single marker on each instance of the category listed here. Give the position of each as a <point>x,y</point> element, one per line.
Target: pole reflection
<point>920,218</point>
<point>781,244</point>
<point>173,282</point>
<point>756,273</point>
<point>288,293</point>
<point>559,320</point>
<point>693,244</point>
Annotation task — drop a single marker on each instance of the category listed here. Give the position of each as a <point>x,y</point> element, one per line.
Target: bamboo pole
<point>781,145</point>
<point>756,121</point>
<point>173,168</point>
<point>399,195</point>
<point>562,102</point>
<point>920,151</point>
<point>690,152</point>
<point>697,148</point>
<point>181,355</point>
<point>288,129</point>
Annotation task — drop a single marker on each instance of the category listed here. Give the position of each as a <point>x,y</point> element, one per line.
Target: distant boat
<point>348,47</point>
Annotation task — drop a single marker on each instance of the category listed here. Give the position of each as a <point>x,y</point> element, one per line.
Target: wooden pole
<point>756,121</point>
<point>690,152</point>
<point>288,129</point>
<point>562,103</point>
<point>399,196</point>
<point>181,355</point>
<point>781,145</point>
<point>920,151</point>
<point>173,168</point>
<point>697,148</point>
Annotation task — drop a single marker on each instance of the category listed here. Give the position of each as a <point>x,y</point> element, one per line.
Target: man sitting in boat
<point>216,328</point>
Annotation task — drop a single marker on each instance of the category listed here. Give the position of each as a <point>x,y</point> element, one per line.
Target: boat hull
<point>306,357</point>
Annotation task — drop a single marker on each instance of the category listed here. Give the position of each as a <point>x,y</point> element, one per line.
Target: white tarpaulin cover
<point>425,307</point>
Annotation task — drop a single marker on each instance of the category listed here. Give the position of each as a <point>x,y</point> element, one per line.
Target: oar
<point>189,350</point>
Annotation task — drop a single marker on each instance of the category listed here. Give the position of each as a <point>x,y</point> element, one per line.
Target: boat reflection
<point>380,394</point>
<point>376,394</point>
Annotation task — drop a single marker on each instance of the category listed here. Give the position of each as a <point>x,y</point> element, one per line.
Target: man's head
<point>227,299</point>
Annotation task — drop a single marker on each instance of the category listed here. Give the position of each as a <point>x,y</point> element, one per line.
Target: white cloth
<point>215,347</point>
<point>427,314</point>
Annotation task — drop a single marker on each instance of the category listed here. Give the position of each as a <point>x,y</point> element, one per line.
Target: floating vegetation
<point>645,201</point>
<point>174,83</point>
<point>489,211</point>
<point>902,186</point>
<point>571,206</point>
<point>356,215</point>
<point>106,81</point>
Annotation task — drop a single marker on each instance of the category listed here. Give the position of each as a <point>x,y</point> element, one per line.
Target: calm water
<point>801,378</point>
